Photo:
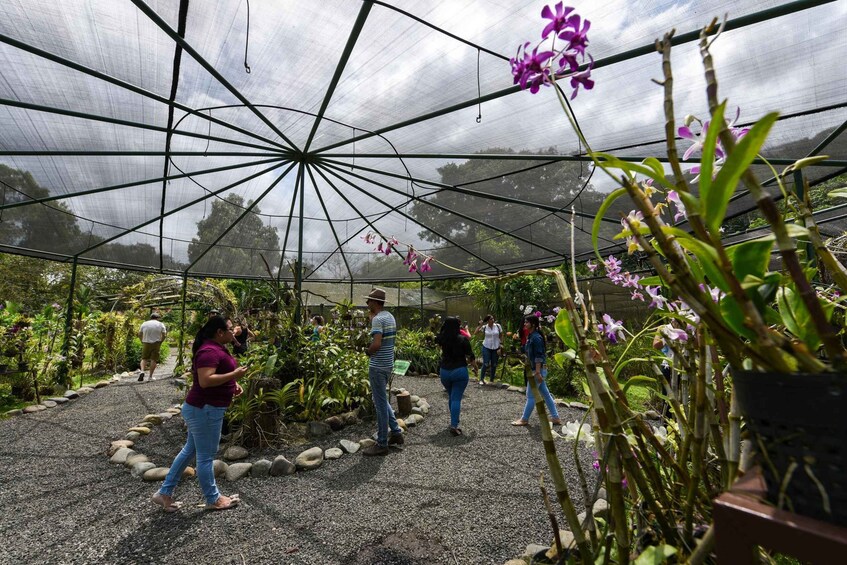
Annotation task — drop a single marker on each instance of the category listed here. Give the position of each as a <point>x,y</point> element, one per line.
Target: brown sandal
<point>159,500</point>
<point>520,423</point>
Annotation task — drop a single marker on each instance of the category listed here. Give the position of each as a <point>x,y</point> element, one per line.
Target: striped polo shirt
<point>383,323</point>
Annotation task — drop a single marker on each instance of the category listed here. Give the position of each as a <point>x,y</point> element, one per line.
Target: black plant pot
<point>798,425</point>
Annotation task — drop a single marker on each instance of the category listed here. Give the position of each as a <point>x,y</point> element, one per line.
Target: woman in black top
<point>455,352</point>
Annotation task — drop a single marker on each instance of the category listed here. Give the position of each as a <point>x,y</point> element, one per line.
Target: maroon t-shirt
<point>212,354</point>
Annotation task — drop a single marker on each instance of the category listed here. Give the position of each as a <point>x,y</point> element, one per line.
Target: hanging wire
<point>209,135</point>
<point>247,39</point>
<point>353,163</point>
<point>4,202</point>
<point>478,89</point>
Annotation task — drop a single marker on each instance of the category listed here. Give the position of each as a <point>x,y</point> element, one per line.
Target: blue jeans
<point>455,381</point>
<point>545,394</point>
<point>385,419</point>
<point>489,359</point>
<point>204,436</point>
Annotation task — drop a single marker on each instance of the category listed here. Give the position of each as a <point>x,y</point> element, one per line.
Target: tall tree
<point>557,184</point>
<point>238,252</point>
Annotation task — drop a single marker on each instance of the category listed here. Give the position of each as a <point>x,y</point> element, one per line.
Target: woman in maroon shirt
<point>214,385</point>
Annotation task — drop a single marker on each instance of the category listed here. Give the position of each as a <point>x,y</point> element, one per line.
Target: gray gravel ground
<point>442,499</point>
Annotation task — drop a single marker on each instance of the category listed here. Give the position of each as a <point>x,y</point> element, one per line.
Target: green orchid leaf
<point>644,230</point>
<point>640,380</point>
<point>722,188</point>
<point>565,329</point>
<point>598,219</point>
<point>707,160</point>
<point>796,317</point>
<point>656,279</point>
<point>564,358</point>
<point>655,554</point>
<point>609,161</point>
<point>621,364</point>
<point>268,371</point>
<point>706,255</point>
<point>734,317</point>
<point>796,231</point>
<point>751,257</point>
<point>655,165</point>
<point>585,388</point>
<point>838,193</point>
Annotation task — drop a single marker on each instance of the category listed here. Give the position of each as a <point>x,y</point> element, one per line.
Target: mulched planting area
<point>442,499</point>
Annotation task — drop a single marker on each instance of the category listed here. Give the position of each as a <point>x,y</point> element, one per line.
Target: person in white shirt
<point>152,334</point>
<point>493,338</point>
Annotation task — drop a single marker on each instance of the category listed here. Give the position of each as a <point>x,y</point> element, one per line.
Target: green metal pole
<point>180,360</point>
<point>298,275</point>
<point>64,367</point>
<point>423,319</point>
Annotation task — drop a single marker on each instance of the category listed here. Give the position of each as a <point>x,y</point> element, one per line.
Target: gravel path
<point>468,500</point>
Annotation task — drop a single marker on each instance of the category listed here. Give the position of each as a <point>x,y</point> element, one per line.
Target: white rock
<point>333,453</point>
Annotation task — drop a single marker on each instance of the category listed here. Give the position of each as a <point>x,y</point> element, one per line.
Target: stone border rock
<point>600,509</point>
<point>54,401</point>
<point>231,465</point>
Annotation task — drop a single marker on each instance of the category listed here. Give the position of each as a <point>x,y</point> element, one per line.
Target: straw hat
<point>377,295</point>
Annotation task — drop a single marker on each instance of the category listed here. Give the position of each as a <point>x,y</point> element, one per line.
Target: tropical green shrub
<point>419,348</point>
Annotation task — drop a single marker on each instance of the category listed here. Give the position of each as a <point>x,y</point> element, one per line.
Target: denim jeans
<point>385,419</point>
<point>545,394</point>
<point>489,359</point>
<point>455,381</point>
<point>204,436</point>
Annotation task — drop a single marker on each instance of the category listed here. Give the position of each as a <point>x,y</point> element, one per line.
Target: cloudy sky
<point>398,70</point>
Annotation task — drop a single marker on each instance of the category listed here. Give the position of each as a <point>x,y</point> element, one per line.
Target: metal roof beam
<point>407,216</point>
<point>135,183</point>
<point>469,192</point>
<point>450,211</point>
<point>131,87</point>
<point>687,37</point>
<point>339,68</point>
<point>150,13</point>
<point>183,207</point>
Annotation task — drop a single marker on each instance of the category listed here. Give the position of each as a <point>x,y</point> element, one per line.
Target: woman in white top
<point>490,346</point>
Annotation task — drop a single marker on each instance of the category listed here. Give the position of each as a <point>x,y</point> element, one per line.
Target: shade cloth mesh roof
<point>132,135</point>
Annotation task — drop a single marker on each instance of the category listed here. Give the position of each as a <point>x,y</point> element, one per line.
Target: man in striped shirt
<point>381,353</point>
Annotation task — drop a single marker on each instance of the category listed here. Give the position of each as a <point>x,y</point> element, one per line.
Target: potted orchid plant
<point>723,308</point>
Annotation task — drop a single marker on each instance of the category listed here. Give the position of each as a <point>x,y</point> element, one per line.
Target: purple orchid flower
<point>577,38</point>
<point>411,256</point>
<point>630,281</point>
<point>613,329</point>
<point>673,198</point>
<point>592,266</point>
<point>559,20</point>
<point>537,314</point>
<point>550,318</point>
<point>672,333</point>
<point>657,300</point>
<point>582,78</point>
<point>413,267</point>
<point>613,266</point>
<point>529,68</point>
<point>636,295</point>
<point>369,238</point>
<point>556,310</point>
<point>425,266</point>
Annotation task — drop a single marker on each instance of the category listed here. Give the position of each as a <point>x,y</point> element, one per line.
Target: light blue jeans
<point>455,381</point>
<point>204,437</point>
<point>385,419</point>
<point>545,394</point>
<point>489,359</point>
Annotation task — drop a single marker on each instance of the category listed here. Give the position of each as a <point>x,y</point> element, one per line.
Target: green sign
<point>400,367</point>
